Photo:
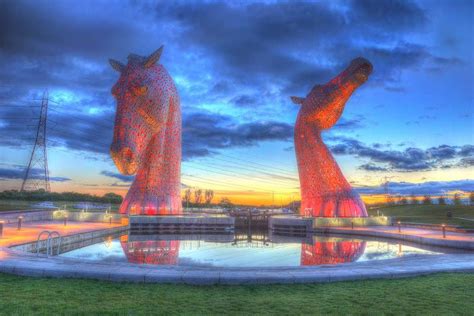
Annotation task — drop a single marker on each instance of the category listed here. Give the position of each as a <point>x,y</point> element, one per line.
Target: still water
<point>242,251</point>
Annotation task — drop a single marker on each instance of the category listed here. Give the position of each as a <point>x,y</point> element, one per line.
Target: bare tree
<point>209,195</point>
<point>225,203</point>
<point>197,196</point>
<point>471,198</point>
<point>187,197</point>
<point>403,200</point>
<point>441,200</point>
<point>427,200</point>
<point>457,199</point>
<point>413,199</point>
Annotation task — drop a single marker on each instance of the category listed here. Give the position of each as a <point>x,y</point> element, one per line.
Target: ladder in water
<point>49,242</point>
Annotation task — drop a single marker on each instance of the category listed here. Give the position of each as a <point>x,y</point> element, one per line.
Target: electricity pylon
<point>37,174</point>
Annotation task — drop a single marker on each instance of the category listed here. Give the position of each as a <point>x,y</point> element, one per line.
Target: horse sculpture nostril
<point>127,155</point>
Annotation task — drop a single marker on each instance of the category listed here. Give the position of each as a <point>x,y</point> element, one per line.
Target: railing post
<point>20,220</point>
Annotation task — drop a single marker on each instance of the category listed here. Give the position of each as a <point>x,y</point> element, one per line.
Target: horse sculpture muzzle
<point>124,159</point>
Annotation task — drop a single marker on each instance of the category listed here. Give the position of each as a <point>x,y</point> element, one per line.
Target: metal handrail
<point>38,240</point>
<point>49,242</point>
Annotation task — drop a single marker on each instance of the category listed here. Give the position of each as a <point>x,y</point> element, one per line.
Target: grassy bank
<point>430,214</point>
<point>19,205</point>
<point>427,295</point>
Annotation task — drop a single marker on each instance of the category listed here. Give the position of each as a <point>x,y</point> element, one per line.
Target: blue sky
<point>236,64</point>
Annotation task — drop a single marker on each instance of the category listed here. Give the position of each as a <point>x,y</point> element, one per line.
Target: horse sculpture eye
<point>139,91</point>
<point>115,91</point>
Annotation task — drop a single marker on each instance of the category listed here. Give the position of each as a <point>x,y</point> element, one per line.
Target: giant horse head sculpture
<point>147,135</point>
<point>324,190</point>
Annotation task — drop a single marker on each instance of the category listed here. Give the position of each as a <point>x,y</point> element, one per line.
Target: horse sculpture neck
<point>325,191</point>
<point>157,183</point>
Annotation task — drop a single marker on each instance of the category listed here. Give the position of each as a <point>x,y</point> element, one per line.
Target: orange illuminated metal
<point>331,252</point>
<point>325,191</point>
<point>147,135</point>
<point>157,252</point>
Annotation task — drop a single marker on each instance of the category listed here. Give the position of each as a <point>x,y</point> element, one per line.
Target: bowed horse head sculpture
<point>147,135</point>
<point>324,190</point>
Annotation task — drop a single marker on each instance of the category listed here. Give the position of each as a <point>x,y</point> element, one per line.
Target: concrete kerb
<point>458,244</point>
<point>393,268</point>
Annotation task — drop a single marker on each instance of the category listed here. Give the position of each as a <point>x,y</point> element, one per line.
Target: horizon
<point>408,129</point>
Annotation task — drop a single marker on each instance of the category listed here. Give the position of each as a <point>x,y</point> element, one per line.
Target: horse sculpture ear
<point>297,100</point>
<point>116,65</point>
<point>154,58</point>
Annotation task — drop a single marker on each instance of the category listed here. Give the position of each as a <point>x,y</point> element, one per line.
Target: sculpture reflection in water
<point>325,191</point>
<point>158,252</point>
<point>331,252</point>
<point>147,135</point>
<point>166,252</point>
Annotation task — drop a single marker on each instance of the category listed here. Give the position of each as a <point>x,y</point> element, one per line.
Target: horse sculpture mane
<point>147,135</point>
<point>324,190</point>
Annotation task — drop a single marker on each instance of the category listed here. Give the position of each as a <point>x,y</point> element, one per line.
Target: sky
<point>235,65</point>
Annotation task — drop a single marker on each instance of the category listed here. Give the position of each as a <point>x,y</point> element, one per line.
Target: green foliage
<point>441,200</point>
<point>42,195</point>
<point>427,200</point>
<point>225,203</point>
<point>442,294</point>
<point>457,199</point>
<point>462,215</point>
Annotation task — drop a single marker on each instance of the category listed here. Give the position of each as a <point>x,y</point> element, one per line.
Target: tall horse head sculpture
<point>324,190</point>
<point>147,135</point>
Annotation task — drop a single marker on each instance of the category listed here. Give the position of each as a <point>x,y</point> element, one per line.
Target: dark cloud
<point>467,150</point>
<point>430,187</point>
<point>409,159</point>
<point>296,45</point>
<point>203,133</point>
<point>117,175</point>
<point>244,100</point>
<point>349,124</point>
<point>372,167</point>
<point>391,16</point>
<point>16,172</point>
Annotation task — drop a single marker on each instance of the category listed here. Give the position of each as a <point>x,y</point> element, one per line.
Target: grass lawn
<point>429,214</point>
<point>439,294</point>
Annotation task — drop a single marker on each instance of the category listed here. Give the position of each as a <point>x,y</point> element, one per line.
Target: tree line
<point>428,200</point>
<point>42,195</point>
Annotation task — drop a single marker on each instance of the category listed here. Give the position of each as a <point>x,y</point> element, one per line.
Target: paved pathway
<point>27,264</point>
<point>418,235</point>
<point>413,231</point>
<point>29,231</point>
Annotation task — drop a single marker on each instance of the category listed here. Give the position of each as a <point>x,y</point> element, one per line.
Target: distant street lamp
<point>399,226</point>
<point>444,230</point>
<point>20,220</point>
